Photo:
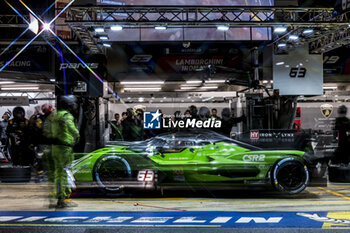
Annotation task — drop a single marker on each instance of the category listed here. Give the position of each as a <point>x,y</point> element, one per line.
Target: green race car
<point>190,160</point>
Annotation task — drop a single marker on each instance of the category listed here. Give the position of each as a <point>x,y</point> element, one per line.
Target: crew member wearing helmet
<point>17,131</point>
<point>61,129</point>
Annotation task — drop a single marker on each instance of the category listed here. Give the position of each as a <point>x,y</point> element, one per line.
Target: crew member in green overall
<point>62,131</point>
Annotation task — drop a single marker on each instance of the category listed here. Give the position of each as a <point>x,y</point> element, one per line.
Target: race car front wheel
<point>290,176</point>
<point>111,171</point>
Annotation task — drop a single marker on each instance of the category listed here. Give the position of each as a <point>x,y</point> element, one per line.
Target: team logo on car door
<point>326,110</point>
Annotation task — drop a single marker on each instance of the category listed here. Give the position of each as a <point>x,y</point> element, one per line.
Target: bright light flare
<point>34,24</point>
<point>46,26</point>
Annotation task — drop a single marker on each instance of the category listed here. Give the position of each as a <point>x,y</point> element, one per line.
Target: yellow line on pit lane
<point>96,225</point>
<point>339,185</point>
<point>213,201</point>
<point>334,193</point>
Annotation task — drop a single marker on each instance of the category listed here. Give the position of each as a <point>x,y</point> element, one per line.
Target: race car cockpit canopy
<point>181,140</point>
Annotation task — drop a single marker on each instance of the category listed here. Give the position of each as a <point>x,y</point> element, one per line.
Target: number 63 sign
<point>297,72</point>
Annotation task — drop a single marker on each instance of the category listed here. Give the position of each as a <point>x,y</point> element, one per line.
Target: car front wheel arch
<point>290,176</point>
<point>110,170</point>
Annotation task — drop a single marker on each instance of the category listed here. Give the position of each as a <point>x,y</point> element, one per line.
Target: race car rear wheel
<point>290,176</point>
<point>110,171</point>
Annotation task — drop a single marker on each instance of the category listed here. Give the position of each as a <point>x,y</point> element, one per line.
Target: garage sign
<point>298,73</point>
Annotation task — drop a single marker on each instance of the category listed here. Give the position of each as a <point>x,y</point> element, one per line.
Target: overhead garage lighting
<point>282,45</point>
<point>116,28</point>
<point>194,81</point>
<point>19,88</point>
<point>106,45</point>
<point>210,87</point>
<point>216,81</point>
<point>293,37</point>
<point>103,37</point>
<point>223,27</point>
<point>279,63</point>
<point>280,30</point>
<point>6,82</point>
<point>160,27</point>
<point>142,89</point>
<point>329,88</point>
<point>210,98</point>
<point>308,31</point>
<point>144,82</point>
<point>188,88</point>
<point>100,29</point>
<point>265,81</point>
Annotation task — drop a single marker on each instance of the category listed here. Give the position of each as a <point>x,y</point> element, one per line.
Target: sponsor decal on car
<point>254,158</point>
<point>146,175</point>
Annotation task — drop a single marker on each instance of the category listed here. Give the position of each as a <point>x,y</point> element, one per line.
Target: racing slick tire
<point>111,169</point>
<point>290,176</point>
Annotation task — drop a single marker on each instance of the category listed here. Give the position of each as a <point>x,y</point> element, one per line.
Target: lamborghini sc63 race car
<point>190,160</point>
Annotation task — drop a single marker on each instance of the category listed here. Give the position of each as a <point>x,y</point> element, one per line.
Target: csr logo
<point>297,72</point>
<point>254,158</point>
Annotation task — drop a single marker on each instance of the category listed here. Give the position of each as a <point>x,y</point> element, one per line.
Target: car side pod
<point>290,176</point>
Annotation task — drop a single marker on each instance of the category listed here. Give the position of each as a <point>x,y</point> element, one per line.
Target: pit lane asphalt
<point>34,197</point>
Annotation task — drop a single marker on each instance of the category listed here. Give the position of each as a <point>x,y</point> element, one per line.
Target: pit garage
<point>199,116</point>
